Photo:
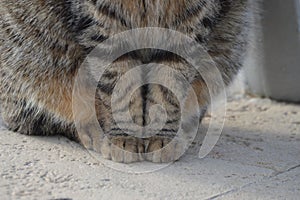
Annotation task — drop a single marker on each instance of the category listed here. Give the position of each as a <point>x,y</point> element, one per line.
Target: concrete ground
<point>257,157</point>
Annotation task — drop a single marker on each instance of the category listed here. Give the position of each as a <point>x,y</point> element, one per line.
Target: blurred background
<point>273,66</point>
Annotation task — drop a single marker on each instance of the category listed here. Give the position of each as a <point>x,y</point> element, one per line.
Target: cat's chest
<point>100,19</point>
<point>146,12</point>
<point>119,15</point>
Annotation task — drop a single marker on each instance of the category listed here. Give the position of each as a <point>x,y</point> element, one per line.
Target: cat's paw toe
<point>123,149</point>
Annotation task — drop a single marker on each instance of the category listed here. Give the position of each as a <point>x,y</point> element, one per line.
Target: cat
<point>44,42</point>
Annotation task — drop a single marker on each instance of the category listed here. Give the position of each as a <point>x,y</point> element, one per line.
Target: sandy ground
<point>257,157</point>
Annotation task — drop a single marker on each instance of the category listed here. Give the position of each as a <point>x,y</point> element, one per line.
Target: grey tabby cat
<point>44,42</point>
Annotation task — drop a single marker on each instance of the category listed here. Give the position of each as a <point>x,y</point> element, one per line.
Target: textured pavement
<point>257,157</point>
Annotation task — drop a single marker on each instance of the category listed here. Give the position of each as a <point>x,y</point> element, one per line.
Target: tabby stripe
<point>144,92</point>
<point>169,130</point>
<point>114,13</point>
<point>106,88</point>
<point>99,38</point>
<point>199,38</point>
<point>190,12</point>
<point>110,75</point>
<point>172,121</point>
<point>66,13</point>
<point>167,96</point>
<point>225,7</point>
<point>84,22</point>
<point>208,22</point>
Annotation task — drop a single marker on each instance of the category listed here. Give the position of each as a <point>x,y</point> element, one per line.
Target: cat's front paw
<point>127,149</point>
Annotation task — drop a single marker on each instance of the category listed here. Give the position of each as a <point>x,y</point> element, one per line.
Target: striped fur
<point>43,43</point>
